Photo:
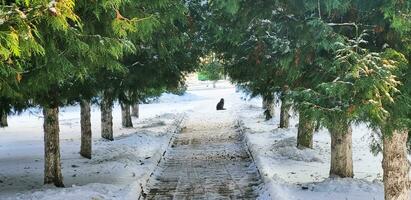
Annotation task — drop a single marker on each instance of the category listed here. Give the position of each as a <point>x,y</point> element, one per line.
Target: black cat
<point>220,105</point>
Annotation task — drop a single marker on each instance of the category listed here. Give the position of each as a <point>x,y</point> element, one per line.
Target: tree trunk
<point>317,126</point>
<point>264,104</point>
<point>126,116</point>
<point>305,131</point>
<point>86,136</point>
<point>285,114</point>
<point>269,110</point>
<point>135,110</point>
<point>52,165</point>
<point>3,119</point>
<point>341,150</point>
<point>107,117</point>
<point>396,166</point>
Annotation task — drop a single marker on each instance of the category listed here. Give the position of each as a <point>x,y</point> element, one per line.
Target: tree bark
<point>341,150</point>
<point>264,103</point>
<point>269,110</point>
<point>135,110</point>
<point>126,116</point>
<point>396,166</point>
<point>86,135</point>
<point>107,117</point>
<point>305,131</point>
<point>3,119</point>
<point>317,126</point>
<point>52,165</point>
<point>285,115</point>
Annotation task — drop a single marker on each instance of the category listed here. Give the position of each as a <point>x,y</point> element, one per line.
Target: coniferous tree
<point>45,76</point>
<point>395,128</point>
<point>18,42</point>
<point>338,78</point>
<point>163,59</point>
<point>358,80</point>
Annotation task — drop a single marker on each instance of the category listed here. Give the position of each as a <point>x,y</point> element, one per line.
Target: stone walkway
<point>208,160</point>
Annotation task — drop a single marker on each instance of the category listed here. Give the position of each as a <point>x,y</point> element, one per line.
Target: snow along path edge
<point>268,193</point>
<point>175,128</point>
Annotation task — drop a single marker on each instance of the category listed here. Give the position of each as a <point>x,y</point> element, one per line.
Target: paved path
<point>208,160</point>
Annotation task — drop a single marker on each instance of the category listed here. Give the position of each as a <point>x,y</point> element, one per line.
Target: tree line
<point>59,53</point>
<point>335,62</point>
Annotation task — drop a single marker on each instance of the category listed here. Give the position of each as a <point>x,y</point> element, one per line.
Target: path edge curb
<point>175,129</point>
<point>239,126</point>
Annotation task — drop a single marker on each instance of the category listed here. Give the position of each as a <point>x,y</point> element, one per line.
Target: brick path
<point>208,160</point>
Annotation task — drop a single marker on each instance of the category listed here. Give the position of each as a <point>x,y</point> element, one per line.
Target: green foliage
<point>316,47</point>
<point>230,6</point>
<point>180,90</point>
<point>21,39</point>
<point>60,51</point>
<point>202,77</point>
<point>363,81</point>
<point>399,14</point>
<point>211,69</point>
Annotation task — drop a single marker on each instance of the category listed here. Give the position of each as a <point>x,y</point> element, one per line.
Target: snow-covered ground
<point>291,173</point>
<point>115,171</point>
<point>118,168</point>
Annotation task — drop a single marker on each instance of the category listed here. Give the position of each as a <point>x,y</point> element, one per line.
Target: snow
<point>337,189</point>
<point>188,96</point>
<point>116,170</point>
<point>120,168</point>
<point>291,173</point>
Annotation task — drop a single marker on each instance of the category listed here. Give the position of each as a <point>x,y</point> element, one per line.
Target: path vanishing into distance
<point>207,160</point>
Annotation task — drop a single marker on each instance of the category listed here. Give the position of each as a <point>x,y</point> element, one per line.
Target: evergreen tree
<point>52,79</point>
<point>395,128</point>
<point>45,75</point>
<point>361,80</point>
<point>18,42</point>
<point>315,31</point>
<point>163,59</point>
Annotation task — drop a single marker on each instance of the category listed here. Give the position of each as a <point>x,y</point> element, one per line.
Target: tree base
<point>305,132</point>
<point>86,134</point>
<point>3,120</point>
<point>396,166</point>
<point>285,115</point>
<point>341,151</point>
<point>52,165</point>
<point>107,118</point>
<point>126,116</point>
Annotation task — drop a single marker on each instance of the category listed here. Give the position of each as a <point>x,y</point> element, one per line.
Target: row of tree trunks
<point>3,119</point>
<point>396,166</point>
<point>305,131</point>
<point>135,110</point>
<point>52,166</point>
<point>126,115</point>
<point>395,163</point>
<point>86,135</point>
<point>107,117</point>
<point>341,150</point>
